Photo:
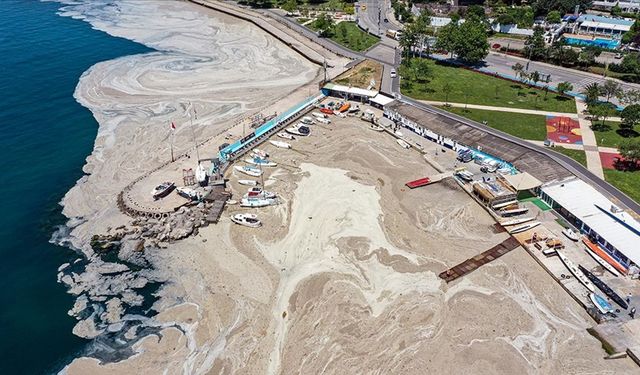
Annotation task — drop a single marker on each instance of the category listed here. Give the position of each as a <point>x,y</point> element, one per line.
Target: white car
<point>393,73</point>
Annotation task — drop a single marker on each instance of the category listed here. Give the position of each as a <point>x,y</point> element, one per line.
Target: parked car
<point>393,73</point>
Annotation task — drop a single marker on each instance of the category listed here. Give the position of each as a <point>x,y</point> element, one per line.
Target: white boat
<point>516,221</point>
<point>248,220</point>
<point>523,227</point>
<point>280,144</point>
<point>256,192</point>
<point>260,153</point>
<point>286,136</point>
<point>339,114</point>
<point>298,130</point>
<point>319,115</point>
<point>575,271</point>
<point>600,303</point>
<point>570,234</point>
<point>251,171</point>
<point>403,144</point>
<point>257,202</point>
<point>515,211</point>
<point>375,127</point>
<point>306,120</point>
<point>232,201</point>
<point>603,262</point>
<point>162,190</point>
<point>325,121</point>
<point>504,204</point>
<point>259,161</point>
<point>248,182</point>
<point>201,175</point>
<point>187,192</point>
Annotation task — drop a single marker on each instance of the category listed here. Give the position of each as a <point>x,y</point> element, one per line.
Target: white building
<point>626,6</point>
<point>601,25</point>
<point>614,230</point>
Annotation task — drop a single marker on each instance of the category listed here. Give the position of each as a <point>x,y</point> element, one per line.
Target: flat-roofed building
<point>614,230</point>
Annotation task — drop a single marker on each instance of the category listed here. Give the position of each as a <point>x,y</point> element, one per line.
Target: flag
<point>173,126</point>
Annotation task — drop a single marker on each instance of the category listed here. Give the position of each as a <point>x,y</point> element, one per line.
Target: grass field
<point>627,182</point>
<point>350,35</point>
<point>577,155</point>
<point>476,88</point>
<point>521,125</point>
<point>609,135</point>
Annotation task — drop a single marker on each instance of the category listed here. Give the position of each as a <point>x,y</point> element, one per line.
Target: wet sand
<point>341,278</point>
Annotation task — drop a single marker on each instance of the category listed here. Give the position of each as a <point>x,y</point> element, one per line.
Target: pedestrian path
<point>594,164</point>
<point>573,146</point>
<point>501,109</point>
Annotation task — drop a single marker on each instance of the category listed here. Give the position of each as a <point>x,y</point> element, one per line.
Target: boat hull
<point>604,287</point>
<point>600,303</point>
<point>250,172</point>
<point>280,144</point>
<point>575,271</point>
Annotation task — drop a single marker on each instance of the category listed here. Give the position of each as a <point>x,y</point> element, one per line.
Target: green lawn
<point>477,88</point>
<point>521,125</point>
<point>350,35</point>
<point>609,135</point>
<point>577,155</point>
<point>627,182</point>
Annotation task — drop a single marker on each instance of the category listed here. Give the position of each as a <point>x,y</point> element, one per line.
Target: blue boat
<point>601,304</point>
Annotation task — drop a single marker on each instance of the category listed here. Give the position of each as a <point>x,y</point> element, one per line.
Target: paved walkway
<point>594,164</point>
<point>573,146</point>
<point>502,109</point>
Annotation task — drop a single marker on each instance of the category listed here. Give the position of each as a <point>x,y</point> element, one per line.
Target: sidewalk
<point>502,109</point>
<point>573,146</point>
<point>594,164</point>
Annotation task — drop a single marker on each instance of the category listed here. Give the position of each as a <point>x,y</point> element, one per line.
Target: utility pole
<point>193,131</point>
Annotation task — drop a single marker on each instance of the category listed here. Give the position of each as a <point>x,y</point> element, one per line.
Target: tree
<point>534,46</point>
<point>630,117</point>
<point>535,77</point>
<point>518,69</point>
<point>324,24</point>
<point>290,5</point>
<point>446,89</point>
<point>471,43</point>
<point>447,37</point>
<point>563,87</point>
<point>616,11</point>
<point>554,17</point>
<point>563,6</point>
<point>588,55</point>
<point>630,149</point>
<point>407,41</point>
<point>610,89</point>
<point>629,97</point>
<point>592,93</point>
<point>599,111</point>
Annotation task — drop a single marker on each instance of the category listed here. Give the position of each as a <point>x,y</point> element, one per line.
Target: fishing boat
<point>418,183</point>
<point>306,120</point>
<point>325,121</point>
<point>339,114</point>
<point>201,175</point>
<point>286,136</point>
<point>248,182</point>
<point>256,192</point>
<point>513,211</point>
<point>318,115</point>
<point>524,227</point>
<point>516,221</point>
<point>344,107</point>
<point>504,204</point>
<point>257,202</point>
<point>163,190</point>
<point>298,130</point>
<point>604,255</point>
<point>575,271</point>
<point>570,234</point>
<point>328,111</point>
<point>248,220</point>
<point>260,153</point>
<point>261,162</point>
<point>251,171</point>
<point>602,262</point>
<point>604,287</point>
<point>403,144</point>
<point>601,304</point>
<point>280,144</point>
<point>375,127</point>
<point>187,192</point>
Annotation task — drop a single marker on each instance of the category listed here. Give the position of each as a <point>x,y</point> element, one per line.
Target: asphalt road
<point>374,14</point>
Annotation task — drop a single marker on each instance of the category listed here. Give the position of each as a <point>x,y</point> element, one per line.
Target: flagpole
<point>172,130</point>
<point>193,132</point>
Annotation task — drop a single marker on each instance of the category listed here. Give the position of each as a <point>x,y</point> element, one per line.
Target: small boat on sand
<point>259,161</point>
<point>251,171</point>
<point>187,192</point>
<point>403,144</point>
<point>570,234</point>
<point>280,144</point>
<point>260,153</point>
<point>513,211</point>
<point>575,271</point>
<point>286,136</point>
<point>465,175</point>
<point>307,120</point>
<point>257,202</point>
<point>163,190</point>
<point>504,204</point>
<point>328,111</point>
<point>344,107</point>
<point>318,115</point>
<point>375,127</point>
<point>298,130</point>
<point>256,192</point>
<point>603,255</point>
<point>248,220</point>
<point>325,121</point>
<point>601,304</point>
<point>603,263</point>
<point>248,182</point>
<point>516,221</point>
<point>604,287</point>
<point>524,227</point>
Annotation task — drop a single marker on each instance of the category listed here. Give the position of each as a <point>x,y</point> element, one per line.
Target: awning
<point>522,181</point>
<point>381,99</point>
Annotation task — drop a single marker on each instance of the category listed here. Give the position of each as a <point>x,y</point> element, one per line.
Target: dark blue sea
<point>45,136</point>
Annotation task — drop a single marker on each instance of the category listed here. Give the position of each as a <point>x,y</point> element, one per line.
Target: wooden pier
<point>218,196</point>
<point>472,264</point>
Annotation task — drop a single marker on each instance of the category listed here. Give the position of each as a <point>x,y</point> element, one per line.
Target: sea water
<point>45,138</point>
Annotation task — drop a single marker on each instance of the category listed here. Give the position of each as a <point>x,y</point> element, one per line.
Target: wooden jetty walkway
<point>472,264</point>
<point>218,197</point>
